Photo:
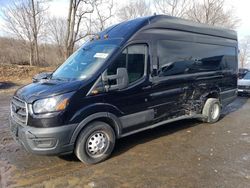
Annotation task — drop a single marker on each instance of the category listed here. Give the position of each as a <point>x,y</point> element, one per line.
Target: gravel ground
<point>182,154</point>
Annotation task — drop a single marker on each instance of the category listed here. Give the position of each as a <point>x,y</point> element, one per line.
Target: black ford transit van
<point>133,76</point>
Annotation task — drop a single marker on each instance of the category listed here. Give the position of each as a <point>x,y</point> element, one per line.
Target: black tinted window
<point>133,58</point>
<point>136,62</point>
<point>177,57</point>
<point>120,62</point>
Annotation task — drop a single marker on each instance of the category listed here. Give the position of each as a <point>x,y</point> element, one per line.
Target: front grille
<point>243,87</point>
<point>19,111</point>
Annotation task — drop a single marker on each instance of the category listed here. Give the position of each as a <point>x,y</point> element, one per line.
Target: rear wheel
<point>211,110</point>
<point>95,143</point>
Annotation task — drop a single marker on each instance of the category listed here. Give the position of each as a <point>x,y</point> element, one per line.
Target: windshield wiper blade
<point>60,79</point>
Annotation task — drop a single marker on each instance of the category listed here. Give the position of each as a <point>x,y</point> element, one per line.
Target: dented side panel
<point>185,70</point>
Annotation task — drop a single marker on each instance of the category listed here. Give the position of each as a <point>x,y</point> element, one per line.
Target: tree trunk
<point>69,51</point>
<point>242,64</point>
<point>67,39</point>
<point>31,54</point>
<point>36,52</point>
<point>35,33</point>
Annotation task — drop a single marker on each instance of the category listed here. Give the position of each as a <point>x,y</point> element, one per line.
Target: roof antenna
<point>155,14</point>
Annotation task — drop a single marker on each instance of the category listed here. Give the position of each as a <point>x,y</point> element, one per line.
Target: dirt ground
<point>182,154</point>
<point>13,76</point>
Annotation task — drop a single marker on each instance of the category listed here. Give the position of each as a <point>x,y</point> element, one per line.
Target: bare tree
<point>25,19</point>
<point>34,30</point>
<point>212,12</point>
<point>244,56</point>
<point>56,33</point>
<point>176,8</point>
<point>78,11</point>
<point>104,12</point>
<point>134,9</point>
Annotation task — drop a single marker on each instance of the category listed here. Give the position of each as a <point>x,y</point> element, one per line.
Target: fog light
<point>45,142</point>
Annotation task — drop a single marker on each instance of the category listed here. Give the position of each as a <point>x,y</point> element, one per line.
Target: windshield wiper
<point>60,79</point>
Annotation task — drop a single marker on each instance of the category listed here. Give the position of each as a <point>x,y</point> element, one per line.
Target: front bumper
<point>44,141</point>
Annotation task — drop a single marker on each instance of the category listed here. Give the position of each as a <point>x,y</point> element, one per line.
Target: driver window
<point>133,58</point>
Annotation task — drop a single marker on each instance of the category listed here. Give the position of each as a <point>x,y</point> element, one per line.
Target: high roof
<point>128,28</point>
<point>169,22</point>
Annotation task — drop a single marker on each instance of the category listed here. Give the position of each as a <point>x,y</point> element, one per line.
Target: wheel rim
<point>97,144</point>
<point>215,110</point>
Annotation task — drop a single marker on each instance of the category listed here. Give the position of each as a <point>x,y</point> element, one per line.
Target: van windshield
<point>86,60</point>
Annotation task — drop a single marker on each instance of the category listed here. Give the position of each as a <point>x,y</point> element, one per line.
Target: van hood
<point>244,82</point>
<point>46,88</point>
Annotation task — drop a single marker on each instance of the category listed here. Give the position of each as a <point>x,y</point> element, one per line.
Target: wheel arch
<point>215,93</point>
<point>106,117</point>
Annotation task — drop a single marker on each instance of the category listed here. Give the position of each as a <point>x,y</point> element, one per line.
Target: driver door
<point>131,102</point>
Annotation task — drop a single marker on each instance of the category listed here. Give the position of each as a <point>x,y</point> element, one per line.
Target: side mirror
<point>121,79</point>
<point>40,76</point>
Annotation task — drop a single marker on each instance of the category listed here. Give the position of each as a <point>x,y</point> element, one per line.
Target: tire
<point>95,143</point>
<point>211,110</point>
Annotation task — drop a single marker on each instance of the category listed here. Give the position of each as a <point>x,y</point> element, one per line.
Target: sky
<point>241,7</point>
<point>242,11</point>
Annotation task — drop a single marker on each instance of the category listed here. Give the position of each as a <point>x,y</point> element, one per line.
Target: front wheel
<point>211,110</point>
<point>95,143</point>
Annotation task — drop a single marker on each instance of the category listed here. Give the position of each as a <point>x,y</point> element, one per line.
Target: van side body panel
<point>136,108</point>
<point>190,91</point>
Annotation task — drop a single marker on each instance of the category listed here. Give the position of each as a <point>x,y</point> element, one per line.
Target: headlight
<point>52,104</point>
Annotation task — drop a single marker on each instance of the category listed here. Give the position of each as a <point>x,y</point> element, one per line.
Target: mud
<point>182,154</point>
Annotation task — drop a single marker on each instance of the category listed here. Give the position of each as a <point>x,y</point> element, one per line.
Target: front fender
<point>94,108</point>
